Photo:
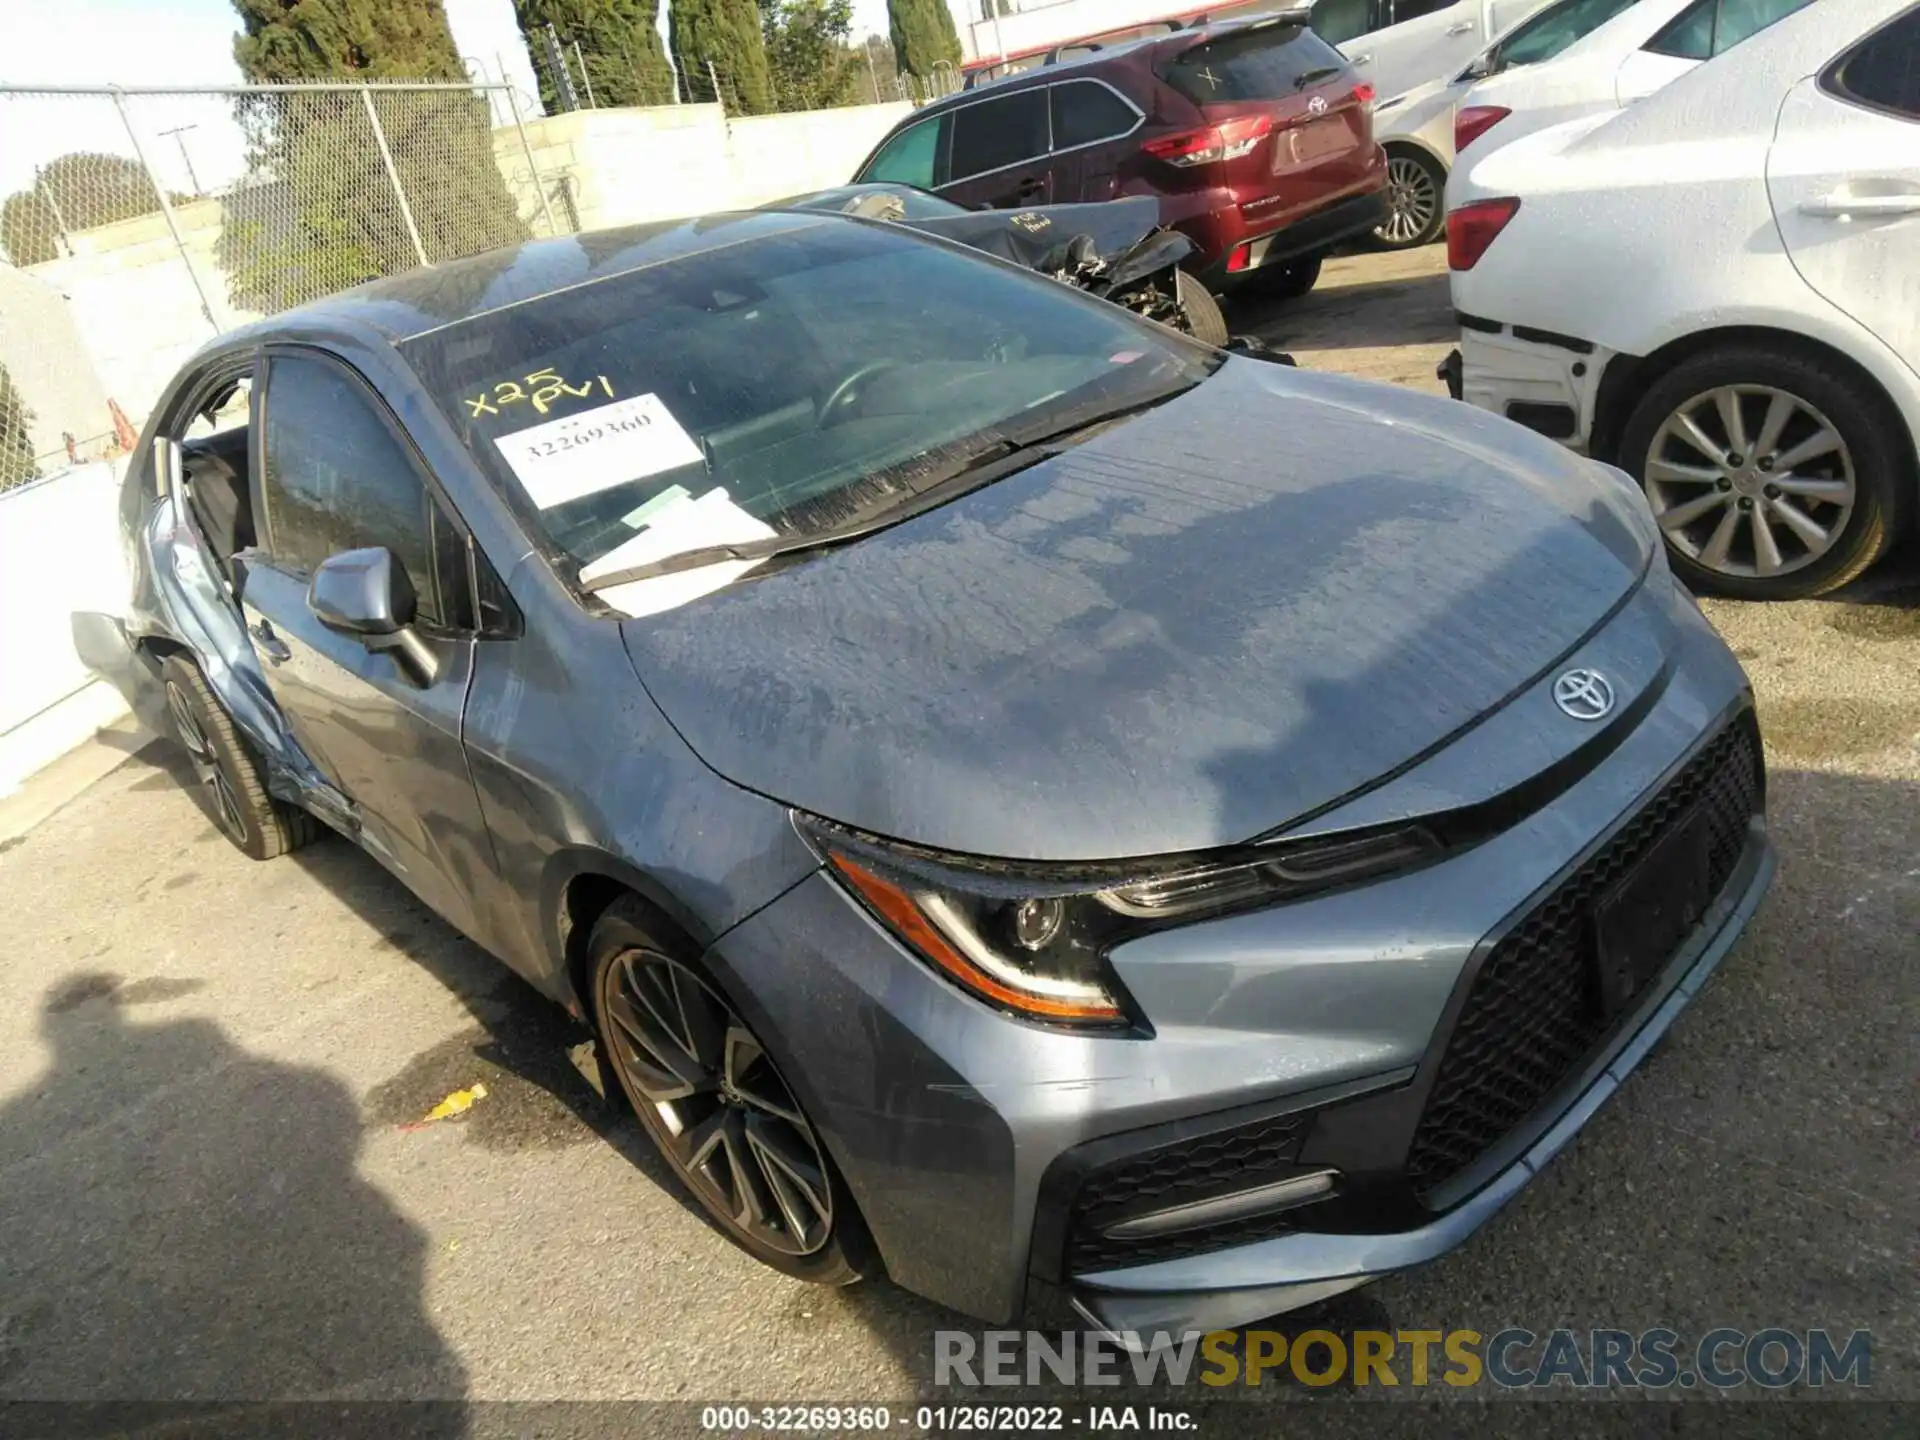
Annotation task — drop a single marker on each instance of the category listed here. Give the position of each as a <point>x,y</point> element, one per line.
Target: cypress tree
<point>619,44</point>
<point>923,35</point>
<point>283,41</point>
<point>16,444</point>
<point>725,34</point>
<point>328,217</point>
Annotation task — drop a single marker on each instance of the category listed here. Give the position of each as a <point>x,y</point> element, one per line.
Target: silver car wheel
<point>1750,480</point>
<point>1412,201</point>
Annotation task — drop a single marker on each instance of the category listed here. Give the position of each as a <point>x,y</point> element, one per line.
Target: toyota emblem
<point>1584,694</point>
<point>1317,105</point>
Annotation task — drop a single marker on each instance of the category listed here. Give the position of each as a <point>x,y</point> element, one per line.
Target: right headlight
<point>1032,939</point>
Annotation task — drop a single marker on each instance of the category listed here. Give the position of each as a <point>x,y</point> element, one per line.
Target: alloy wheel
<point>728,1120</point>
<point>206,763</point>
<point>1750,480</point>
<point>1412,201</point>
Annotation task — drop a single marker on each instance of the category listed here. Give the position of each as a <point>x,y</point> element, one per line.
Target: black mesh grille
<point>1175,1174</point>
<point>1534,1013</point>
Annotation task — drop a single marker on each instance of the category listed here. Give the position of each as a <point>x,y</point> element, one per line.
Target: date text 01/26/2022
<point>944,1419</point>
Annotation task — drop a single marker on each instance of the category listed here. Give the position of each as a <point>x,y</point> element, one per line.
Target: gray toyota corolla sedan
<point>1018,794</point>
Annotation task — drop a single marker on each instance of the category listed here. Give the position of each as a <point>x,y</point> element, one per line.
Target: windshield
<point>1555,28</point>
<point>782,386</point>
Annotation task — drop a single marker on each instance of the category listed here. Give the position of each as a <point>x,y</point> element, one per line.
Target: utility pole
<point>45,191</point>
<point>185,158</point>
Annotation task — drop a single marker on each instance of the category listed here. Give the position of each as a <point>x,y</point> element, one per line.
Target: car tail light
<point>1228,140</point>
<point>1474,121</point>
<point>1364,92</point>
<point>1472,228</point>
<point>1240,259</point>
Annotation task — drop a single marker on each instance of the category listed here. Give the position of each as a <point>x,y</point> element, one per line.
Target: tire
<point>1416,187</point>
<point>1289,281</point>
<point>1204,320</point>
<point>1858,491</point>
<point>233,787</point>
<point>726,1095</point>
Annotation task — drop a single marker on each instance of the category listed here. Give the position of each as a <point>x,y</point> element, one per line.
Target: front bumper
<point>1229,1288</point>
<point>953,1124</point>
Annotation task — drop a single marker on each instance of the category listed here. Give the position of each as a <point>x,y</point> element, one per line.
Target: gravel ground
<point>205,1066</point>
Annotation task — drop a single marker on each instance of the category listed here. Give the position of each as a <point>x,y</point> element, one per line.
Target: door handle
<point>271,647</point>
<point>1460,27</point>
<point>1030,190</point>
<point>1839,205</point>
<point>1366,59</point>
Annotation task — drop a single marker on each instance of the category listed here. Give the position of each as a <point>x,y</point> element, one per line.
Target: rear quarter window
<point>1265,64</point>
<point>1883,71</point>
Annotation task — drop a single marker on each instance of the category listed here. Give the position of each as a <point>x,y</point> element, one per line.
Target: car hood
<point>1202,624</point>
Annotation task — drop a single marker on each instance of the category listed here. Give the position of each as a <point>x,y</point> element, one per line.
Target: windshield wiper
<point>1314,77</point>
<point>1015,450</point>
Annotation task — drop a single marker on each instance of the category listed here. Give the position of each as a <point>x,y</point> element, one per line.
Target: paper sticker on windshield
<point>597,449</point>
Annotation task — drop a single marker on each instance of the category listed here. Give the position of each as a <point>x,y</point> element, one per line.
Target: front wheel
<point>1415,210</point>
<point>716,1105</point>
<point>1772,476</point>
<point>233,785</point>
<point>1204,320</point>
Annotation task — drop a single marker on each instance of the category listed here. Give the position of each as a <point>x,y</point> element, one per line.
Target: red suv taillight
<point>1228,140</point>
<point>1364,92</point>
<point>1474,121</point>
<point>1472,228</point>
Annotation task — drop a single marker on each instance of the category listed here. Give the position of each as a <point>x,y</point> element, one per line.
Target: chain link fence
<point>194,210</point>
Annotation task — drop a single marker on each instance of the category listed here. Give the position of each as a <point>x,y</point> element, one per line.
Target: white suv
<point>1719,291</point>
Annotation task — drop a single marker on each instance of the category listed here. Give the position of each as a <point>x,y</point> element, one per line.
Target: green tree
<point>16,444</point>
<point>319,212</point>
<point>723,34</point>
<point>77,191</point>
<point>808,52</point>
<point>923,35</point>
<point>292,40</point>
<point>619,44</point>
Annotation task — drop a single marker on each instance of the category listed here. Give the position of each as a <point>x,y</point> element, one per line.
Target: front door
<point>1844,178</point>
<point>334,473</point>
<point>1424,40</point>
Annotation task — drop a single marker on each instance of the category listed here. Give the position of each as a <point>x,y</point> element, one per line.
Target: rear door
<point>1282,109</point>
<point>334,472</point>
<point>1422,40</point>
<point>1092,127</point>
<point>1844,178</point>
<point>1000,151</point>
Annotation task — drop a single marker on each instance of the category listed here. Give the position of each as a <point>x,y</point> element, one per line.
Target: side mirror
<point>367,594</point>
<point>1481,68</point>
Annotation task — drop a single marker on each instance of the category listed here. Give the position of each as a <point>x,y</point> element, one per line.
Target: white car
<point>1625,60</point>
<point>1719,292</point>
<point>1416,128</point>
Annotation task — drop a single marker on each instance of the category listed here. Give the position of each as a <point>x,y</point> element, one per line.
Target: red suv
<point>1255,136</point>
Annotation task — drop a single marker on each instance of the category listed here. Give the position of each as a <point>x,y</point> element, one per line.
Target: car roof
<point>1049,73</point>
<point>403,306</point>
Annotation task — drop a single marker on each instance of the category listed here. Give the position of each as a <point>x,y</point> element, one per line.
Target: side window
<point>1689,35</point>
<point>999,132</point>
<point>1086,111</point>
<point>1740,19</point>
<point>911,158</point>
<point>1404,10</point>
<point>1884,70</point>
<point>1338,21</point>
<point>337,478</point>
